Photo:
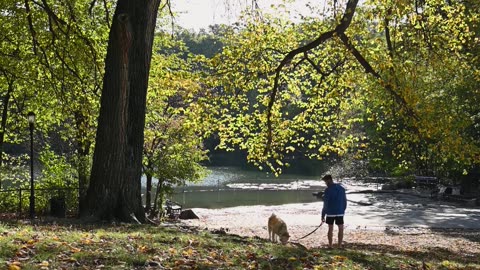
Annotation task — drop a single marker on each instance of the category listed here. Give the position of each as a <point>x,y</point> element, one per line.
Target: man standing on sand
<point>334,205</point>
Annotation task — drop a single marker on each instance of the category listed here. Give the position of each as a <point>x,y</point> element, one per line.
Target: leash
<point>310,232</point>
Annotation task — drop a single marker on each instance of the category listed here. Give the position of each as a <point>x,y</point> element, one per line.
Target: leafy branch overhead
<point>370,85</point>
<point>339,31</point>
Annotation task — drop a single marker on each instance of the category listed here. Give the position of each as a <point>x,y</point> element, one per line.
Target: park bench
<point>173,209</point>
<point>426,180</point>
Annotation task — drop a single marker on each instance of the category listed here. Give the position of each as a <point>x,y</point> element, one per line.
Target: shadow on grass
<point>468,234</point>
<point>363,254</point>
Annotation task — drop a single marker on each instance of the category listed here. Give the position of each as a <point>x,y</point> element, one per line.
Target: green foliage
<point>52,63</point>
<point>58,179</point>
<point>57,172</point>
<point>429,66</point>
<point>71,71</point>
<point>310,112</point>
<point>206,43</point>
<point>413,115</point>
<point>15,174</point>
<point>174,130</point>
<point>59,49</point>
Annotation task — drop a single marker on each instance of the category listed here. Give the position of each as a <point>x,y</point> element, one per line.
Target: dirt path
<point>301,219</point>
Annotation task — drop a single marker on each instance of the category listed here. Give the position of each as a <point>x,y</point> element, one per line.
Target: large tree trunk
<point>114,191</point>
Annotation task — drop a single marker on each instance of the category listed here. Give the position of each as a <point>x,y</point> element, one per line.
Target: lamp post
<point>31,122</point>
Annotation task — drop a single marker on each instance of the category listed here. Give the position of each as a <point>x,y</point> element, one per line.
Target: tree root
<point>134,218</point>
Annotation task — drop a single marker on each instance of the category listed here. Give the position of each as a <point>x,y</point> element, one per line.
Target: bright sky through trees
<point>197,14</point>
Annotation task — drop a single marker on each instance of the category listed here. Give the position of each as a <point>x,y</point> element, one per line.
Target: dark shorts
<point>337,220</point>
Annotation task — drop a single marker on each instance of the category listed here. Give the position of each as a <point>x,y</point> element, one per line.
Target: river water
<point>245,193</point>
<point>229,186</point>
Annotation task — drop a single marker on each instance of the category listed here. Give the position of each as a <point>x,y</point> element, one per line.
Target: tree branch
<point>33,33</point>
<point>369,69</point>
<point>340,28</point>
<point>340,32</point>
<point>315,66</point>
<point>50,12</point>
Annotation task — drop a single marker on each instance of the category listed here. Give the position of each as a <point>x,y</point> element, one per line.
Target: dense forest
<point>375,88</point>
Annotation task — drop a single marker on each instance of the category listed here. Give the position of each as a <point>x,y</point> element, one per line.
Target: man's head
<point>328,179</point>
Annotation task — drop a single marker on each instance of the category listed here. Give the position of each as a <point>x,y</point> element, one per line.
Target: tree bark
<point>114,192</point>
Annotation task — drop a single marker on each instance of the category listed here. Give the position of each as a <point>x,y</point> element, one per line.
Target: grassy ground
<point>119,246</point>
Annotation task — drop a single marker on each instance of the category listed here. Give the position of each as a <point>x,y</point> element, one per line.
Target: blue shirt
<point>334,201</point>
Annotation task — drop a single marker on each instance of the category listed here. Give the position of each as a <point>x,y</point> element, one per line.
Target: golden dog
<point>277,227</point>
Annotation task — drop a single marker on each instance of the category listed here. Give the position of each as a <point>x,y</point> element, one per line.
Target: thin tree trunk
<point>115,184</point>
<point>148,196</point>
<point>158,203</point>
<point>83,148</point>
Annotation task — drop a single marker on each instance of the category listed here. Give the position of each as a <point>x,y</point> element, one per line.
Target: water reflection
<point>228,187</point>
